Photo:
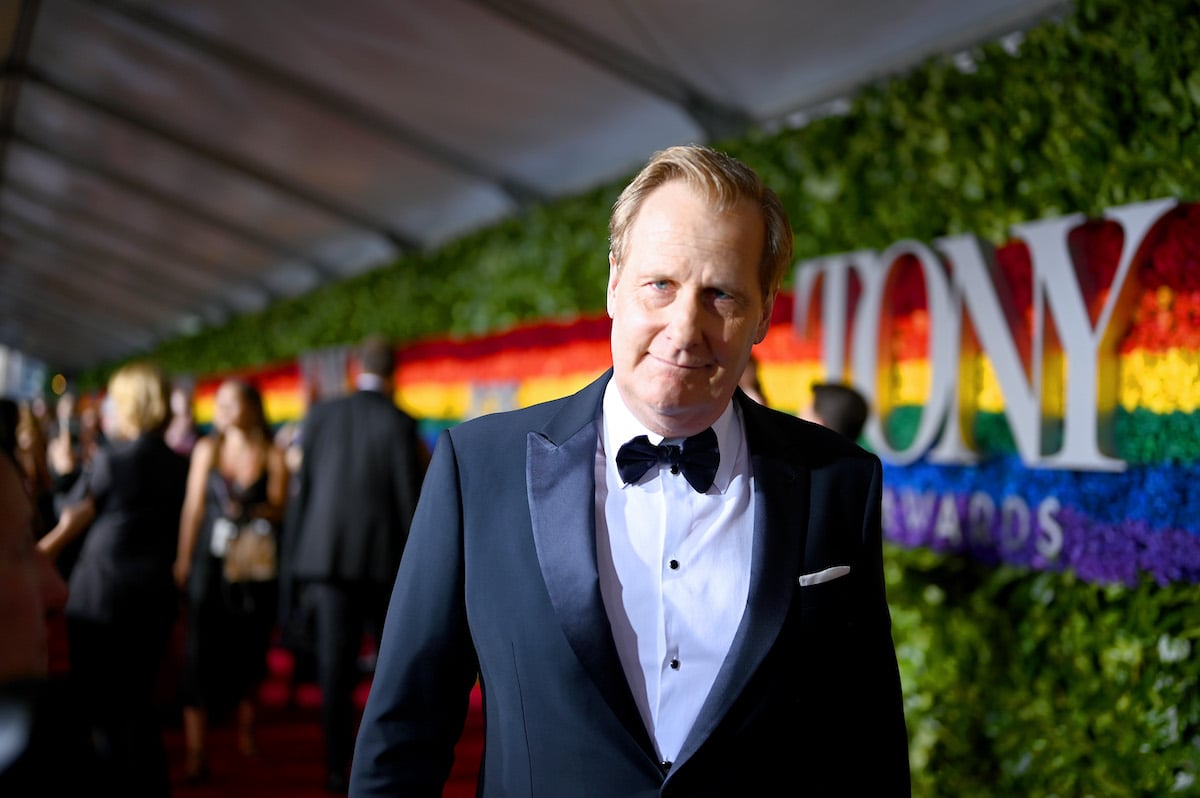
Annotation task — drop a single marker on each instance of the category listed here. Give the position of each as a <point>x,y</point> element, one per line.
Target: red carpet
<point>290,761</point>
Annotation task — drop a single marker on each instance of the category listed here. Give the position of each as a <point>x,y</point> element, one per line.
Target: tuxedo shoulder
<point>774,431</point>
<point>506,422</point>
<point>555,417</point>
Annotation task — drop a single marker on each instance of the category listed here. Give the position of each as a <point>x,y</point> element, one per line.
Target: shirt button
<point>673,565</point>
<point>675,469</point>
<point>674,664</point>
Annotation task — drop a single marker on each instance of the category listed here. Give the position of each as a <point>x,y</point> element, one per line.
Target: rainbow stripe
<point>444,379</point>
<point>1106,527</point>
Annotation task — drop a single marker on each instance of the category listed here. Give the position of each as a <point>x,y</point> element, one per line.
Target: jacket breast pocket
<point>825,605</point>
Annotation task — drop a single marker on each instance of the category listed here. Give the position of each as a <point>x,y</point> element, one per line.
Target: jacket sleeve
<point>426,666</point>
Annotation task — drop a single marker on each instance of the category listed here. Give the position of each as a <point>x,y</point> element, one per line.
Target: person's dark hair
<point>750,382</point>
<point>841,408</point>
<point>253,399</point>
<point>9,415</point>
<point>377,356</point>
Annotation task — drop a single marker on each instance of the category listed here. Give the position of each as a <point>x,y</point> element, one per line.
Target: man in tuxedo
<point>647,613</point>
<point>361,467</point>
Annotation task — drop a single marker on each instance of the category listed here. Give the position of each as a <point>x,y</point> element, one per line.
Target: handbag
<point>252,553</point>
<point>249,550</point>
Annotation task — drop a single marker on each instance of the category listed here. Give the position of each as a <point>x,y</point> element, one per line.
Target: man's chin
<point>687,415</point>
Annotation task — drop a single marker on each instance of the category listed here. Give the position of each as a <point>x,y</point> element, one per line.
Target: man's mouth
<point>685,366</point>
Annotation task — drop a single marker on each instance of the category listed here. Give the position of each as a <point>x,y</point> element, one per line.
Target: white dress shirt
<point>674,569</point>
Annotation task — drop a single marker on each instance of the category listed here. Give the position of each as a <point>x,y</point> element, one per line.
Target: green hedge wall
<point>1016,683</point>
<point>1037,684</point>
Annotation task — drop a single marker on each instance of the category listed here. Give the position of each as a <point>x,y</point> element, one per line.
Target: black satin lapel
<point>781,502</point>
<point>561,480</point>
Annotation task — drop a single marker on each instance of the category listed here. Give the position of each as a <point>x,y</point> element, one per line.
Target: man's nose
<point>686,322</point>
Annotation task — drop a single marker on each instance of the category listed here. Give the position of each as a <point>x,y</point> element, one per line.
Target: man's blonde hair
<point>726,181</point>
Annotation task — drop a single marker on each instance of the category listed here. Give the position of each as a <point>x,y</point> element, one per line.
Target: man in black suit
<point>647,614</point>
<point>360,474</point>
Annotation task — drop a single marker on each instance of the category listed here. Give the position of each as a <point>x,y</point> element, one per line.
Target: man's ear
<point>614,272</point>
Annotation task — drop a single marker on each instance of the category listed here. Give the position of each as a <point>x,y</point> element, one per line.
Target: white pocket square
<point>824,576</point>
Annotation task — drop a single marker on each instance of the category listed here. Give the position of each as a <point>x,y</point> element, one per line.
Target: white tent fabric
<point>166,164</point>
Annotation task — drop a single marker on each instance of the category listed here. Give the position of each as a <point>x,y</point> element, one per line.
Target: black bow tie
<point>697,459</point>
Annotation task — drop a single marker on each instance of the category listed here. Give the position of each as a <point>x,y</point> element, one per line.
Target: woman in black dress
<point>121,603</point>
<point>237,477</point>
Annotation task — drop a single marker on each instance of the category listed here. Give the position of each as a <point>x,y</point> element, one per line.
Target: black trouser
<point>342,614</point>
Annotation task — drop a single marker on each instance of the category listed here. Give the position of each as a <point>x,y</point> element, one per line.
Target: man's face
<point>30,587</point>
<point>687,307</point>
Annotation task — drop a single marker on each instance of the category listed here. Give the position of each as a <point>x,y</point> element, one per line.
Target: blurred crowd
<point>132,530</point>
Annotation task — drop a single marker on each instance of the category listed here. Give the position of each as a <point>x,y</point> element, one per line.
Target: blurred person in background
<point>67,460</point>
<point>64,451</point>
<point>361,467</point>
<point>91,431</point>
<point>41,414</point>
<point>43,749</point>
<point>28,592</point>
<point>122,599</point>
<point>838,406</point>
<point>750,383</point>
<point>76,436</point>
<point>237,475</point>
<point>183,431</point>
<point>32,455</point>
<point>30,589</point>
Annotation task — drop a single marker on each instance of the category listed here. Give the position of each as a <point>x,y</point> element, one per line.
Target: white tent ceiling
<point>166,164</point>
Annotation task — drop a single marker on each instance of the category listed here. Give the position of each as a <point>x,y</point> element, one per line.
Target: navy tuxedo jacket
<point>499,581</point>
